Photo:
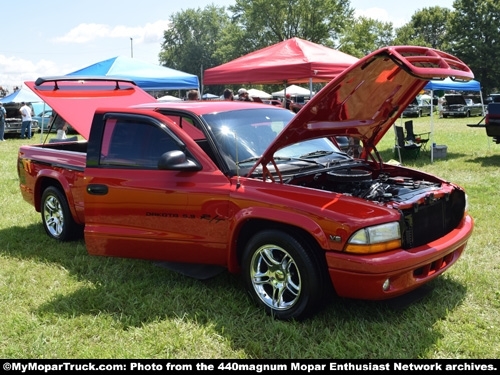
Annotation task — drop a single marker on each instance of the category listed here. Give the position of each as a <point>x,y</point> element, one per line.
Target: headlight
<point>375,239</point>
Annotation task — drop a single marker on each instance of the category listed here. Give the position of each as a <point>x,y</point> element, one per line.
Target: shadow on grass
<point>486,161</point>
<point>136,292</point>
<point>423,159</point>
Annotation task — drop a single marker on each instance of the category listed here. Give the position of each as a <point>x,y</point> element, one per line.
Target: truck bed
<point>62,163</point>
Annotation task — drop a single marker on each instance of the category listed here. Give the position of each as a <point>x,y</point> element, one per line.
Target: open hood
<point>369,96</point>
<point>90,93</point>
<point>454,99</point>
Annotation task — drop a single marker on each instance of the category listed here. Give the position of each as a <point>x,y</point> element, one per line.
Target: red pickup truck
<point>255,188</point>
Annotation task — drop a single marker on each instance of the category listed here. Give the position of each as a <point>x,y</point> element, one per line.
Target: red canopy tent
<point>294,61</point>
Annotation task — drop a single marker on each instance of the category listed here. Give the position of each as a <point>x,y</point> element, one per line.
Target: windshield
<point>244,135</point>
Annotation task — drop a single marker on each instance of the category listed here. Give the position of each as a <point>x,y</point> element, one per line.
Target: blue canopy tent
<point>24,94</point>
<point>146,75</point>
<point>449,84</point>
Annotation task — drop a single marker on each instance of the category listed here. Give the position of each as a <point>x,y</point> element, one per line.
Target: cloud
<point>381,15</point>
<point>87,32</point>
<point>14,71</point>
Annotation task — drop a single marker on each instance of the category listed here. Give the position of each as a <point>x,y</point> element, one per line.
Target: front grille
<point>432,220</point>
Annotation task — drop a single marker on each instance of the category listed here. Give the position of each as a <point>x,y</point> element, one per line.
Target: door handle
<point>97,189</point>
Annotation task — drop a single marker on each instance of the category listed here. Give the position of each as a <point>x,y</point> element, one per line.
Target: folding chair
<point>404,148</point>
<point>422,138</point>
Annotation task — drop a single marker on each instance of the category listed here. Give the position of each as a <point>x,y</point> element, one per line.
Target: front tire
<point>56,216</point>
<point>284,275</point>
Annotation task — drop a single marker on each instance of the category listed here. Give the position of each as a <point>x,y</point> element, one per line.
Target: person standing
<point>243,95</point>
<point>3,114</point>
<point>288,101</point>
<point>26,124</point>
<point>441,106</point>
<point>193,95</point>
<point>228,94</point>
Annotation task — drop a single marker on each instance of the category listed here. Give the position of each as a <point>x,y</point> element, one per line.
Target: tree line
<point>199,39</point>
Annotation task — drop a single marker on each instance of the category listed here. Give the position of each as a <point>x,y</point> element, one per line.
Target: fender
<point>41,181</point>
<point>276,215</point>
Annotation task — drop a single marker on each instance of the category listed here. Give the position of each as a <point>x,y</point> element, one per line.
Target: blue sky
<point>56,37</point>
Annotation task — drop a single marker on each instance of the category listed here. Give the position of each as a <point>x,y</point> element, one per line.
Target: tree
<point>366,35</point>
<point>195,40</point>
<point>268,22</point>
<point>427,27</point>
<point>474,35</point>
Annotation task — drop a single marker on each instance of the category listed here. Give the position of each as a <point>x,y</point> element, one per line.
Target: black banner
<point>254,366</point>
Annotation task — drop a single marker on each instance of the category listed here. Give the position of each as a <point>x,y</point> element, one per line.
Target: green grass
<point>58,302</point>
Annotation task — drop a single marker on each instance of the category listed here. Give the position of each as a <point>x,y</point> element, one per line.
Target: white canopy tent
<point>169,98</point>
<point>254,93</point>
<point>293,90</point>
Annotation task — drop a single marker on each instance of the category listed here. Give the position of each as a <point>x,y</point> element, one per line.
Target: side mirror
<point>178,161</point>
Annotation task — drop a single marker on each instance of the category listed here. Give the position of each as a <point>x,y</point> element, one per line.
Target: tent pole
<point>432,127</point>
<point>41,125</point>
<point>201,75</point>
<point>284,94</point>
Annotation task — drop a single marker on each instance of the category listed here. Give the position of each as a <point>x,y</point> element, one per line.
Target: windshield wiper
<point>255,158</point>
<point>248,160</point>
<point>316,153</point>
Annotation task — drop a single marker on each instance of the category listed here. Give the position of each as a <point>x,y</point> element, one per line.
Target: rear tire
<point>284,275</point>
<point>56,216</point>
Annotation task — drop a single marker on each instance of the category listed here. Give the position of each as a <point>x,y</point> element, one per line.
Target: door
<point>133,209</point>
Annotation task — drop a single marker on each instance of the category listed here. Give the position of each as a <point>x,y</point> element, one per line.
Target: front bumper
<point>363,277</point>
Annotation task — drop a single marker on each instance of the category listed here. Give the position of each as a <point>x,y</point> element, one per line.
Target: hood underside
<point>368,97</point>
<point>454,99</point>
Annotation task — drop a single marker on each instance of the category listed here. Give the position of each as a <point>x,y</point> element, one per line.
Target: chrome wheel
<point>53,216</point>
<point>275,277</point>
<point>56,216</point>
<point>284,274</point>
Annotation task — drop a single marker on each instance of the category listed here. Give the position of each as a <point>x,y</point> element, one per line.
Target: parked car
<point>418,108</point>
<point>43,119</point>
<point>456,105</point>
<point>275,102</point>
<point>13,120</point>
<point>492,98</point>
<point>57,122</point>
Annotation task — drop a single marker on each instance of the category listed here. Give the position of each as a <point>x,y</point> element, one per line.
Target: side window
<point>134,144</point>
